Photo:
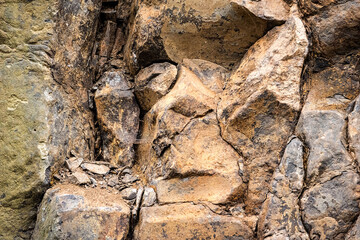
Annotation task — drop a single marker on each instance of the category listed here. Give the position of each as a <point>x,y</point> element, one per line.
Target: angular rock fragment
<point>96,168</point>
<point>181,149</point>
<point>149,197</point>
<point>278,10</point>
<point>280,217</point>
<point>81,177</point>
<point>71,212</point>
<point>261,102</point>
<point>73,163</point>
<point>174,30</point>
<point>154,82</point>
<point>118,114</point>
<point>188,221</point>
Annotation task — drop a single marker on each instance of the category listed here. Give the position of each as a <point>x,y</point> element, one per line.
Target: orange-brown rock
<point>260,104</point>
<point>71,212</point>
<point>154,82</point>
<point>221,32</point>
<point>181,148</point>
<point>188,221</point>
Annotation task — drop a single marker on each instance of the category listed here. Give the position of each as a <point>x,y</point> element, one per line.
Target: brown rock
<point>81,177</point>
<point>354,130</point>
<point>335,29</point>
<point>118,114</point>
<point>260,104</point>
<point>95,168</point>
<point>188,221</point>
<point>71,212</point>
<point>154,82</point>
<point>277,10</point>
<point>181,147</point>
<point>220,32</point>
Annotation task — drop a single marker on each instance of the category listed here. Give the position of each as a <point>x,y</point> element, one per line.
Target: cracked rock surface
<point>179,119</point>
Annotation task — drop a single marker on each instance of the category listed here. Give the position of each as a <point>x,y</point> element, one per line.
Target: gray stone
<point>149,197</point>
<point>129,193</point>
<point>329,209</point>
<point>280,217</point>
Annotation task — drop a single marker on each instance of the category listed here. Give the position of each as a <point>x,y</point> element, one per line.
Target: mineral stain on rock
<point>179,119</point>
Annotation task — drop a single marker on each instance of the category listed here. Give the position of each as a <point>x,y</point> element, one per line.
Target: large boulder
<point>181,150</point>
<point>188,221</point>
<point>71,212</point>
<point>221,32</point>
<point>260,104</point>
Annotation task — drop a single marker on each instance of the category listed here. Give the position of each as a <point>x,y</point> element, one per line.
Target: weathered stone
<point>154,82</point>
<point>277,10</point>
<point>73,163</point>
<point>128,178</point>
<point>354,233</point>
<point>71,212</point>
<point>118,113</point>
<point>129,193</point>
<point>37,125</point>
<point>96,168</point>
<point>181,147</point>
<point>81,177</point>
<point>330,208</point>
<point>354,130</point>
<point>260,104</point>
<point>280,217</point>
<point>335,29</point>
<point>220,32</point>
<point>188,221</point>
<point>323,133</point>
<point>149,197</point>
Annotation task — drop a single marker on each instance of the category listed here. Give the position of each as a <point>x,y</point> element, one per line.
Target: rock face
<point>180,119</point>
<point>188,221</point>
<point>221,32</point>
<point>181,131</point>
<point>69,212</point>
<point>260,104</point>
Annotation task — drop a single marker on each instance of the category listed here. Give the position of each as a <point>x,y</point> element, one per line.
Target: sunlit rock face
<point>150,119</point>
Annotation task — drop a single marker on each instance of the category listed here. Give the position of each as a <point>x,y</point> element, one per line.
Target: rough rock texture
<point>221,32</point>
<point>280,217</point>
<point>189,221</point>
<point>180,119</point>
<point>154,82</point>
<point>260,104</point>
<point>118,115</point>
<point>69,212</point>
<point>183,151</point>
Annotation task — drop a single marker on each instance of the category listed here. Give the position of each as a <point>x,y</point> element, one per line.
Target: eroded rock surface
<point>221,32</point>
<point>188,221</point>
<point>260,104</point>
<point>69,212</point>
